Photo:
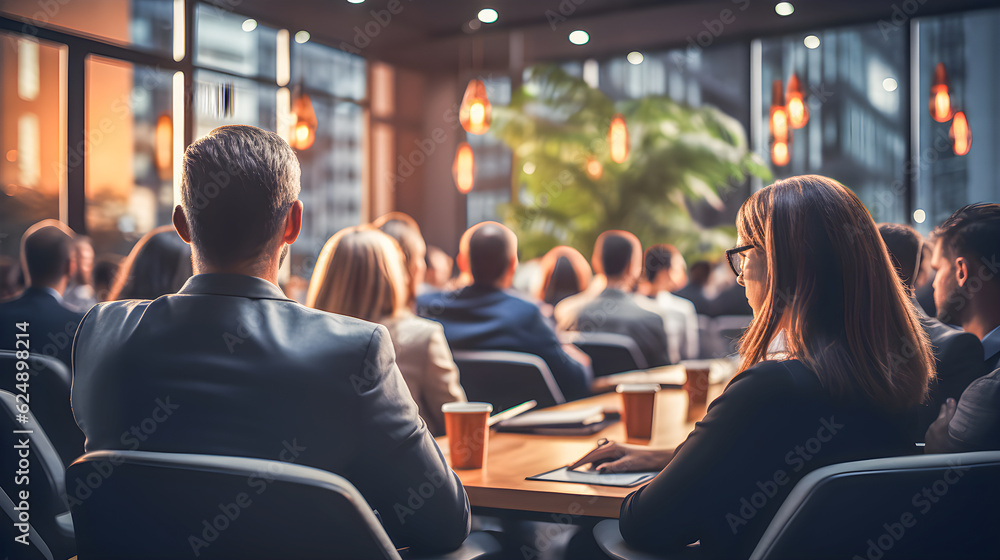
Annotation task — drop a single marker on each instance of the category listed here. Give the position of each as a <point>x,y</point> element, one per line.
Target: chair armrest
<point>479,546</point>
<point>609,538</point>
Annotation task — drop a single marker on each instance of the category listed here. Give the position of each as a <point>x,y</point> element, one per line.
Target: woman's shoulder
<point>412,326</point>
<point>777,376</point>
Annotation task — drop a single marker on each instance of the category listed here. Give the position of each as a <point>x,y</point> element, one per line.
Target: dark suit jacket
<point>614,311</point>
<point>992,362</point>
<point>976,424</point>
<point>485,318</point>
<point>731,301</point>
<point>51,327</point>
<point>230,366</point>
<point>772,425</point>
<point>52,324</point>
<point>958,360</point>
<point>696,295</point>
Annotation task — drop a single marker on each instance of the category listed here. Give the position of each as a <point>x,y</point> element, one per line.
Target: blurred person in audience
<point>47,258</point>
<point>439,269</point>
<point>105,272</point>
<point>79,293</point>
<point>296,287</point>
<point>49,325</point>
<point>958,356</point>
<point>360,273</point>
<point>967,293</point>
<point>233,367</point>
<point>694,290</point>
<point>563,272</point>
<point>616,309</point>
<point>9,272</point>
<point>664,273</point>
<point>486,316</point>
<point>925,280</point>
<point>404,229</point>
<point>159,264</point>
<point>567,310</point>
<point>843,312</point>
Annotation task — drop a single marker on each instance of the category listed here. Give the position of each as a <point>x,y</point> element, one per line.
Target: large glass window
<point>854,80</point>
<point>129,151</point>
<point>968,48</point>
<point>32,135</point>
<point>147,24</point>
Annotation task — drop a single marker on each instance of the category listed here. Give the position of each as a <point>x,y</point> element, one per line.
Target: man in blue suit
<point>485,316</point>
<point>230,366</point>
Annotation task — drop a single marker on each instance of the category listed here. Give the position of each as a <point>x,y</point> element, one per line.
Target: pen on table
<point>511,412</point>
<point>600,443</point>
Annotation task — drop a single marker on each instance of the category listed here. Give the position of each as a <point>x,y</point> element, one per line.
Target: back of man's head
<point>657,259</point>
<point>973,232</point>
<point>46,253</point>
<point>238,185</point>
<point>699,273</point>
<point>616,255</point>
<point>904,245</point>
<point>491,250</point>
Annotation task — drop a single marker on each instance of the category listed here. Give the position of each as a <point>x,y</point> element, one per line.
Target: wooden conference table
<point>501,484</point>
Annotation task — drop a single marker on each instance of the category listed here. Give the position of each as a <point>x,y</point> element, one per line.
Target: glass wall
<point>856,92</point>
<point>968,47</point>
<point>32,135</point>
<point>129,152</point>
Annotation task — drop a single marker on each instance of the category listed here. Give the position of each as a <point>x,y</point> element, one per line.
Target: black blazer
<point>976,424</point>
<point>486,318</point>
<point>958,361</point>
<point>230,366</point>
<point>773,424</point>
<point>51,324</point>
<point>614,311</point>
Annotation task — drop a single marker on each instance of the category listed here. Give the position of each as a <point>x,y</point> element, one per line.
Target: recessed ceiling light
<point>635,57</point>
<point>355,1</point>
<point>488,15</point>
<point>249,25</point>
<point>889,84</point>
<point>919,216</point>
<point>784,8</point>
<point>579,37</point>
<point>811,41</point>
<point>302,37</point>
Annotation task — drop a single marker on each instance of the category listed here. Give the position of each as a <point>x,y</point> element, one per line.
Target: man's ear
<point>961,271</point>
<point>181,224</point>
<point>463,263</point>
<point>293,223</point>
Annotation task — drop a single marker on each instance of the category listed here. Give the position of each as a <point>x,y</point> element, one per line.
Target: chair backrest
<point>50,399</point>
<point>506,379</point>
<point>925,506</point>
<point>47,488</point>
<point>28,545</point>
<point>610,353</point>
<point>174,505</point>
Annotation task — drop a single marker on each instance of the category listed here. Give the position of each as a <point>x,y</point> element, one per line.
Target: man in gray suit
<point>230,366</point>
<point>615,310</point>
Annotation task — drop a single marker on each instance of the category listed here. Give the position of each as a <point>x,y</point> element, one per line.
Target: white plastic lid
<point>467,407</point>
<point>638,388</point>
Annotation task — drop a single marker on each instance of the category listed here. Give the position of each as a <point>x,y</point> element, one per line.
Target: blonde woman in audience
<point>360,273</point>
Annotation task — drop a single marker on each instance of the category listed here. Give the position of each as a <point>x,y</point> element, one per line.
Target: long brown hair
<point>547,267</point>
<point>831,286</point>
<point>359,273</point>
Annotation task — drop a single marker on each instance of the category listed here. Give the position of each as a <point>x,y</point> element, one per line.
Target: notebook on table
<point>622,480</point>
<point>581,421</point>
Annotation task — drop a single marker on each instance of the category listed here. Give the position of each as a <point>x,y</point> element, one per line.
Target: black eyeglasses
<point>735,258</point>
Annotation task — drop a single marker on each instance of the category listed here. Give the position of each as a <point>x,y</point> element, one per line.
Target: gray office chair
<point>610,353</point>
<point>506,379</point>
<point>875,508</point>
<point>49,511</point>
<point>175,505</point>
<point>50,392</point>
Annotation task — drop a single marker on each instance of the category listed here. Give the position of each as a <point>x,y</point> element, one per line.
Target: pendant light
<point>475,111</point>
<point>464,168</point>
<point>798,113</point>
<point>960,134</point>
<point>618,139</point>
<point>303,121</point>
<point>940,102</point>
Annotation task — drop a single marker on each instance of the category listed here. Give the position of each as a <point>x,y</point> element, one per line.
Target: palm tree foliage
<point>677,154</point>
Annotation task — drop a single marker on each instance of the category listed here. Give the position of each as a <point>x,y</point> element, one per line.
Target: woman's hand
<point>623,457</point>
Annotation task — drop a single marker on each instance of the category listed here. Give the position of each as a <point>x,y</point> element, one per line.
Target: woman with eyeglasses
<point>854,361</point>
